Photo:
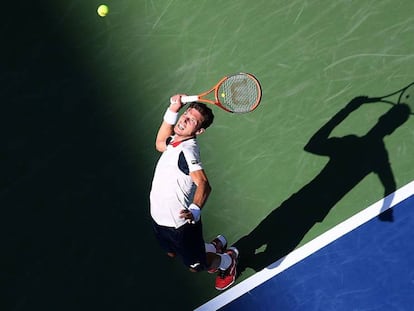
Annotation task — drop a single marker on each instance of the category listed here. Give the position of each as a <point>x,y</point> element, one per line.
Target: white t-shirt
<point>172,187</point>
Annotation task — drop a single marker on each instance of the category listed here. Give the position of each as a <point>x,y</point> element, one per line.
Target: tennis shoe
<point>218,244</point>
<point>226,278</point>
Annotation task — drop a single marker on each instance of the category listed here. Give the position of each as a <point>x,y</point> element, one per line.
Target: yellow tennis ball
<point>223,95</point>
<point>102,10</point>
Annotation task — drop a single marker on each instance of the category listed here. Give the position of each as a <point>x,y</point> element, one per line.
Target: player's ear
<point>200,131</point>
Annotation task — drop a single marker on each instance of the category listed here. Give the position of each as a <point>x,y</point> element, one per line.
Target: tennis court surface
<point>361,264</point>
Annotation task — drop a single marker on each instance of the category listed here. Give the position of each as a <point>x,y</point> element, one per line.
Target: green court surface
<point>84,96</point>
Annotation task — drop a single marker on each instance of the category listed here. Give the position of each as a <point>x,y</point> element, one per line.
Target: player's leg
<point>192,247</point>
<point>227,271</point>
<point>165,238</point>
<point>217,245</point>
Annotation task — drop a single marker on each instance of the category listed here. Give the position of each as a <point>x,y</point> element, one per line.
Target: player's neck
<point>180,138</point>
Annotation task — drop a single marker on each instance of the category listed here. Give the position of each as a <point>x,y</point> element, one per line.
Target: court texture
<point>83,97</point>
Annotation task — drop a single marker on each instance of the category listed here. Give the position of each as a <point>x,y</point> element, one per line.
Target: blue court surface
<point>363,263</point>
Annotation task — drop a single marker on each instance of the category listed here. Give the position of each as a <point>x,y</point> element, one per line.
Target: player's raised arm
<point>167,126</point>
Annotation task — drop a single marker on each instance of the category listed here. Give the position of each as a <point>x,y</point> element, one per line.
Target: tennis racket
<point>238,93</point>
<point>402,96</point>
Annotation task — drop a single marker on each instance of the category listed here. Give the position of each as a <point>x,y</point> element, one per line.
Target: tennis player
<point>179,191</point>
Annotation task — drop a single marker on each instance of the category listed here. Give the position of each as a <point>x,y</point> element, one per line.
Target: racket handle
<point>189,99</point>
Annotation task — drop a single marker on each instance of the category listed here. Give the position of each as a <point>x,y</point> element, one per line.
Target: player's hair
<point>205,111</point>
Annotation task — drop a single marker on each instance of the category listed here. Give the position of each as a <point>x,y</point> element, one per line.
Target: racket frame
<point>202,97</point>
<point>401,91</point>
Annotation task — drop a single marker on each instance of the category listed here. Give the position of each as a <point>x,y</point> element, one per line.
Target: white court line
<point>309,248</point>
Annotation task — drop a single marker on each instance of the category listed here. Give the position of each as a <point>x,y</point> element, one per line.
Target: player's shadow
<point>351,158</point>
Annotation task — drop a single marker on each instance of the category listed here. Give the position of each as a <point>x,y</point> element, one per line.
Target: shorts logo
<point>194,265</point>
<point>194,161</point>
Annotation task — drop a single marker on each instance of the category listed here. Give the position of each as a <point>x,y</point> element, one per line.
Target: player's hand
<point>175,102</point>
<point>186,214</point>
<point>387,215</point>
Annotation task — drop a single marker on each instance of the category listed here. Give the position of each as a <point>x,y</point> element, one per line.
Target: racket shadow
<point>351,158</point>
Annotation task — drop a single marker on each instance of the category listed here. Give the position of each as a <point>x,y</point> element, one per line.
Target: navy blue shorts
<point>186,241</point>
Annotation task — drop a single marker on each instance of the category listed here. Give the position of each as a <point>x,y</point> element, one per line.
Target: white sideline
<point>308,248</point>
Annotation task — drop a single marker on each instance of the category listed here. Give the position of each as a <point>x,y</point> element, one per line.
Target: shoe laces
<point>222,273</point>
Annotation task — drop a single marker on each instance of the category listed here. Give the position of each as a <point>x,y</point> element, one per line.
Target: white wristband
<point>196,211</point>
<point>170,117</point>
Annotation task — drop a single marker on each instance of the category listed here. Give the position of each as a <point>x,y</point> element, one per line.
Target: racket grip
<point>189,99</point>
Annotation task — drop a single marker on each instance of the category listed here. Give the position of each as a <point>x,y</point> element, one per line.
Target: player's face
<point>189,123</point>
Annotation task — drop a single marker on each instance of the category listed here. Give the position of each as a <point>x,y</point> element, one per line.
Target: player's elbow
<point>314,146</point>
<point>205,185</point>
<point>208,188</point>
<point>160,146</point>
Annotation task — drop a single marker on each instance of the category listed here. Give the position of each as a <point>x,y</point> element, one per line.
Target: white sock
<point>225,262</point>
<point>222,239</point>
<point>210,248</point>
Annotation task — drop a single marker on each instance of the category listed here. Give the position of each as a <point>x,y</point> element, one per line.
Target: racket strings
<point>239,93</point>
<point>404,96</point>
